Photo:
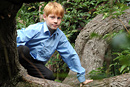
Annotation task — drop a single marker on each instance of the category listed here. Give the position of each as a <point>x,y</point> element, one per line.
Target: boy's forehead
<point>52,14</point>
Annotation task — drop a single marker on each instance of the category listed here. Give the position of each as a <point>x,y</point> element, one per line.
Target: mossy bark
<point>12,74</point>
<point>92,51</point>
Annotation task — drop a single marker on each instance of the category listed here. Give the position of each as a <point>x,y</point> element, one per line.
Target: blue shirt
<point>42,45</point>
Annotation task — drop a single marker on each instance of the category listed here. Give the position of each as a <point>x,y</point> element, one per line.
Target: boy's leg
<point>34,68</point>
<point>40,71</point>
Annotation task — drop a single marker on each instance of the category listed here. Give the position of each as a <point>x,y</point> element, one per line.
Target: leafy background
<point>77,14</point>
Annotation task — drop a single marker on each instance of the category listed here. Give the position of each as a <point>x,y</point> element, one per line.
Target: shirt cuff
<point>81,78</point>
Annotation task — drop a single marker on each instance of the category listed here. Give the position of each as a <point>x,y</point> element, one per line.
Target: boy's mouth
<point>55,25</point>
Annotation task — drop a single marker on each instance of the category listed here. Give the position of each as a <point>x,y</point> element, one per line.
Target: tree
<point>8,60</point>
<point>92,50</point>
<point>12,74</point>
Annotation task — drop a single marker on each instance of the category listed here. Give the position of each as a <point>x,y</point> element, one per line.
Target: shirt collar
<point>47,30</point>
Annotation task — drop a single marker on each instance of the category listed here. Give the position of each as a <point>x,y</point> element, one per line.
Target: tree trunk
<point>117,81</point>
<point>92,50</point>
<point>12,74</point>
<point>8,52</point>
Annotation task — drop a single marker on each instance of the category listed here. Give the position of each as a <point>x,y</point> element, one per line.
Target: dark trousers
<point>34,68</point>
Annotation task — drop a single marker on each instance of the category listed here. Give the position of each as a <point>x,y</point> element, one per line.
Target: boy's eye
<point>59,18</point>
<point>52,17</point>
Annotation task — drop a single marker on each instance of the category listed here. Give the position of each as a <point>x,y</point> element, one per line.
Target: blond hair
<point>54,8</point>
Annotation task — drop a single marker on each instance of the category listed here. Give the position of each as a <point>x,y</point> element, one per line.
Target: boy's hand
<point>85,82</point>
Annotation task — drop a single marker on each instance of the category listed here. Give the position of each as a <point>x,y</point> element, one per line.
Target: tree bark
<point>12,73</point>
<point>8,52</point>
<point>92,50</point>
<point>117,81</point>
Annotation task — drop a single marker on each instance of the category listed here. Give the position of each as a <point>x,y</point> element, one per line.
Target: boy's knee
<point>49,76</point>
<point>23,49</point>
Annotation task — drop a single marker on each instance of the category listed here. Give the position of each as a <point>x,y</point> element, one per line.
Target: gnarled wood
<point>11,73</point>
<point>92,50</point>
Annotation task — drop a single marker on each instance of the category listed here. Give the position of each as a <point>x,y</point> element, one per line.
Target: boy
<point>39,41</point>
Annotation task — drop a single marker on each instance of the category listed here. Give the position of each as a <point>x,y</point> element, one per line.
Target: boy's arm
<point>70,56</point>
<point>24,35</point>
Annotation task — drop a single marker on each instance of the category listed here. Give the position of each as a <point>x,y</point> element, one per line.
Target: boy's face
<point>53,21</point>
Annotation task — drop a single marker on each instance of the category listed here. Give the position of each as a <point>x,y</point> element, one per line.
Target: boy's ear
<point>44,16</point>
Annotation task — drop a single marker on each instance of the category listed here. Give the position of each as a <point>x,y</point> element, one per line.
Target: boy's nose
<point>55,20</point>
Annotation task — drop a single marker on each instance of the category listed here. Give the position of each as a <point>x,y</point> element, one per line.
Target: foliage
<point>58,66</point>
<point>28,14</point>
<point>122,61</point>
<point>114,10</point>
<point>100,73</point>
<point>93,34</point>
<point>78,14</point>
<point>119,43</point>
<point>120,50</point>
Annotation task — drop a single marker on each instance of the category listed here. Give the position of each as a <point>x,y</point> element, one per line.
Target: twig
<point>124,25</point>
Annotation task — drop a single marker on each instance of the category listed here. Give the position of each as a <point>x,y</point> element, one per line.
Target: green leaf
<point>129,22</point>
<point>105,15</point>
<point>105,36</point>
<point>122,68</point>
<point>74,31</point>
<point>57,80</point>
<point>94,35</point>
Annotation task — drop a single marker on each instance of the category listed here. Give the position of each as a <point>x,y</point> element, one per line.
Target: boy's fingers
<point>81,84</point>
<point>87,81</point>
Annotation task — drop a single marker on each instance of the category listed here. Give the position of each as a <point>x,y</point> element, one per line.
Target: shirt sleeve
<point>25,34</point>
<point>70,56</point>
